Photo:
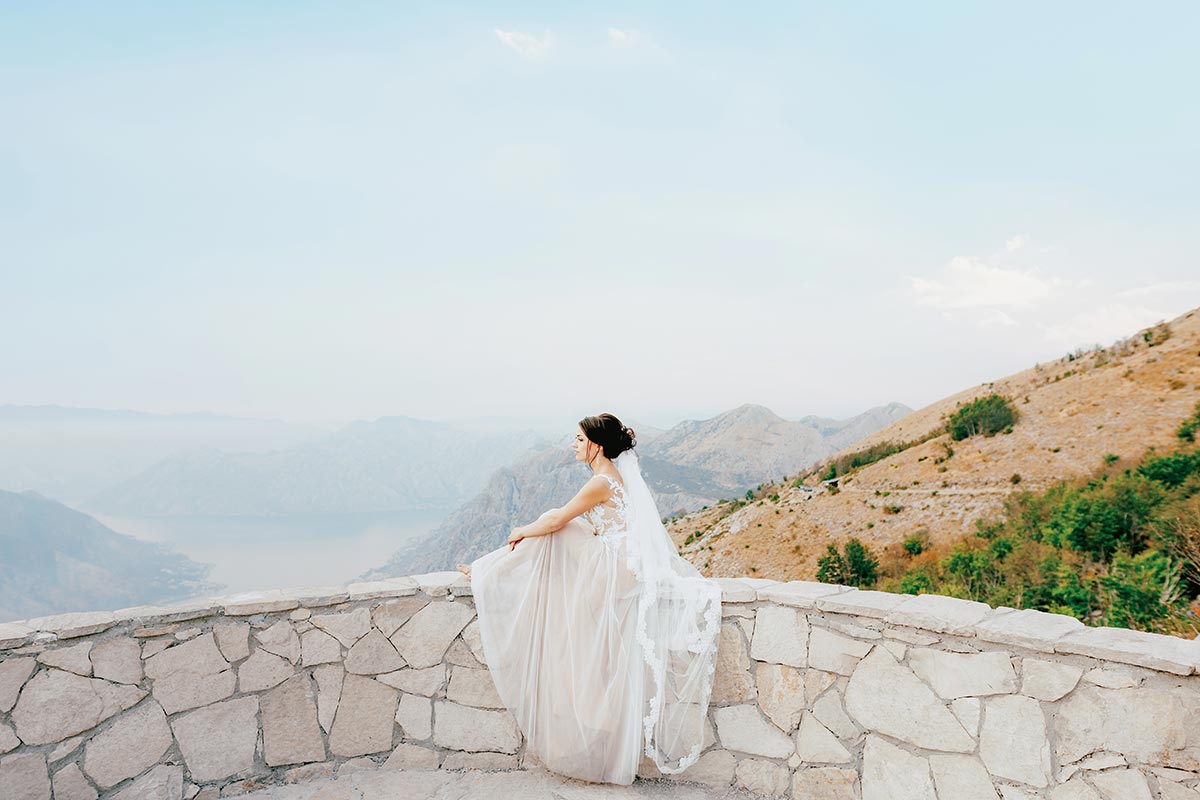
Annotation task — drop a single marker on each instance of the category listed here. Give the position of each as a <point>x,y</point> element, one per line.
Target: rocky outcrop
<point>821,692</point>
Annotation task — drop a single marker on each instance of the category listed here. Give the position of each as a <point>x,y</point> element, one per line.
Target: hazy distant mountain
<point>54,559</point>
<point>71,454</point>
<point>695,463</point>
<point>391,464</point>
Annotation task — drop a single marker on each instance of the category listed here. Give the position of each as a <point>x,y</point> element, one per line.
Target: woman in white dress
<point>600,637</point>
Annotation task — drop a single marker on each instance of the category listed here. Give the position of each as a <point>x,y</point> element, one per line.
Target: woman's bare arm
<point>596,490</point>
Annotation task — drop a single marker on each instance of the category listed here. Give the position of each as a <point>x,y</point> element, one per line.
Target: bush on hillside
<point>1187,430</point>
<point>856,565</point>
<point>986,415</point>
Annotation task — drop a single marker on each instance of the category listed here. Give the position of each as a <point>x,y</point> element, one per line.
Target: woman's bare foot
<point>465,569</point>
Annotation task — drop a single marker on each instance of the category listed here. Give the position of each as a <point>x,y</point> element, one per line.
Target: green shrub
<point>917,543</point>
<point>1187,429</point>
<point>1172,469</point>
<point>986,415</point>
<point>856,565</point>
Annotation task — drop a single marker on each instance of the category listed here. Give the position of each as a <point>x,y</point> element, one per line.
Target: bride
<point>600,637</point>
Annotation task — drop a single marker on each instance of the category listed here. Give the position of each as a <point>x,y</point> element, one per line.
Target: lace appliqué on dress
<point>609,522</point>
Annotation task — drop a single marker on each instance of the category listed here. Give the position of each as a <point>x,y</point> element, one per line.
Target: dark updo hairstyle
<point>608,432</point>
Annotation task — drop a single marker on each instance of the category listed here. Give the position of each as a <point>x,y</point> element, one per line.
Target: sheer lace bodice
<point>610,522</point>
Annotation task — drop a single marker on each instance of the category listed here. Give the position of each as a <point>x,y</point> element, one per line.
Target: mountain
<point>1116,401</point>
<point>694,463</point>
<point>390,464</point>
<point>72,454</point>
<point>54,559</point>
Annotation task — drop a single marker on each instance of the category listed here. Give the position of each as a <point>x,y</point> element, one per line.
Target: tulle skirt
<point>557,619</point>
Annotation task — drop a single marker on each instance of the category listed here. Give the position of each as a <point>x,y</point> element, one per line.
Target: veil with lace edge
<point>678,619</point>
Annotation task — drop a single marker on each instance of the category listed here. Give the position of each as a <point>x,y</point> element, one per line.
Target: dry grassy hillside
<point>1121,399</point>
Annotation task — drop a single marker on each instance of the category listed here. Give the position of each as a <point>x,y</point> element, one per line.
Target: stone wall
<point>822,693</point>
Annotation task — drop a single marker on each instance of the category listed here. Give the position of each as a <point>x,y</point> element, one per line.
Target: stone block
<point>233,639</point>
<point>280,639</point>
<point>118,660</point>
<point>365,717</point>
<point>415,717</point>
<point>864,602</point>
<point>318,647</point>
<point>743,729</point>
<point>762,777</point>
<point>1153,650</point>
<point>424,639</point>
<point>164,782</point>
<point>1048,680</point>
<point>458,727</point>
<point>132,744</point>
<point>825,783</point>
<point>800,594</point>
<point>780,636</point>
<point>833,652</point>
<point>55,705</point>
<point>69,784</point>
<point>1013,743</point>
<point>908,710</point>
<point>24,776</point>
<point>780,694</point>
<point>373,654</point>
<point>816,744</point>
<point>73,625</point>
<point>73,658</point>
<point>291,734</point>
<point>262,671</point>
<point>714,768</point>
<point>346,627</point>
<point>962,776</point>
<point>426,681</point>
<point>954,675</point>
<point>218,741</point>
<point>935,612</point>
<point>1036,630</point>
<point>734,590</point>
<point>412,756</point>
<point>389,616</point>
<point>13,674</point>
<point>731,678</point>
<point>890,773</point>
<point>473,687</point>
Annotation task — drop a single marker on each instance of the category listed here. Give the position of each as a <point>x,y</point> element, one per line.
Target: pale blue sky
<point>335,211</point>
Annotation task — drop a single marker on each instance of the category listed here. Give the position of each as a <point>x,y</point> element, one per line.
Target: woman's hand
<point>517,535</point>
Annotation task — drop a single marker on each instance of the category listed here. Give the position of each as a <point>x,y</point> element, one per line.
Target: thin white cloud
<point>525,45</point>
<point>967,282</point>
<point>1016,243</point>
<point>1165,287</point>
<point>622,38</point>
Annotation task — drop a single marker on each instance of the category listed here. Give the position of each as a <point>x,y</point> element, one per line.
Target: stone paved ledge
<point>821,692</point>
<point>535,784</point>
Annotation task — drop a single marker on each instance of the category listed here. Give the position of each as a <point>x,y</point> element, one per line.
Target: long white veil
<point>678,619</point>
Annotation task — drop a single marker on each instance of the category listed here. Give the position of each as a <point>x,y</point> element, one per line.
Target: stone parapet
<point>822,692</point>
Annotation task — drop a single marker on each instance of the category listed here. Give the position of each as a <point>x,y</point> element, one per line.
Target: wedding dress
<point>601,639</point>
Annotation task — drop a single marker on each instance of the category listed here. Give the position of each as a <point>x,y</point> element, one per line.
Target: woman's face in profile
<point>582,444</point>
